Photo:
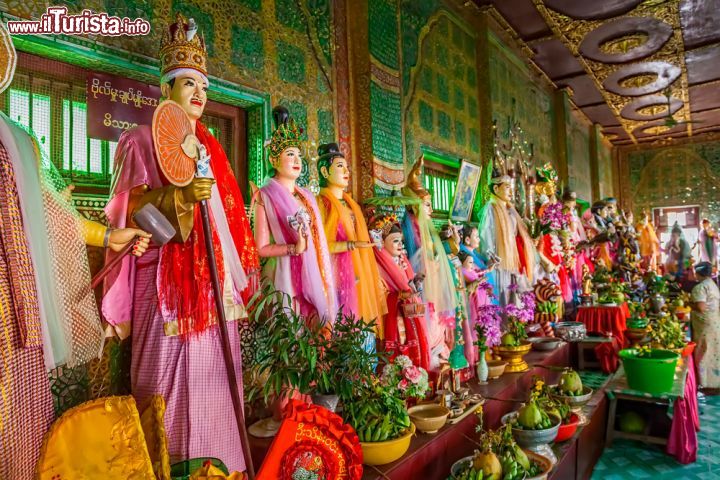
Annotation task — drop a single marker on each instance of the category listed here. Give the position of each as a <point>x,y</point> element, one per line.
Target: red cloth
<point>683,442</point>
<point>312,440</point>
<point>605,320</point>
<point>607,354</point>
<point>397,280</point>
<point>185,287</point>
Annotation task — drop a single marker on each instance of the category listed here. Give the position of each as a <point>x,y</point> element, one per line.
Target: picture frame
<point>467,184</point>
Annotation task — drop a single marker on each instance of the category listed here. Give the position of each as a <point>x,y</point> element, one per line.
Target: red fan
<point>175,143</point>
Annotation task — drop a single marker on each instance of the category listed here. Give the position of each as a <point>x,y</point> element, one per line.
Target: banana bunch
<point>377,419</point>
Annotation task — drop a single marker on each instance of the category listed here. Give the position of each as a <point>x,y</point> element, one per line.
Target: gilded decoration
<point>440,107</point>
<point>625,43</point>
<point>572,32</point>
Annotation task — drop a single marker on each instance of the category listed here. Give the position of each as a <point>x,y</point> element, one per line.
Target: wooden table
<point>618,389</point>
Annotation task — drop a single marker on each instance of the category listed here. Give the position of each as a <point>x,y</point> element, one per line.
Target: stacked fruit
<point>532,417</point>
<point>570,383</point>
<point>500,459</point>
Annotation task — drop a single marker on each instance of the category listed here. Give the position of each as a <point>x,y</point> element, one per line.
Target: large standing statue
<point>601,232</point>
<point>166,296</point>
<point>289,230</point>
<point>577,240</point>
<point>358,285</point>
<point>649,243</point>
<point>503,233</point>
<point>428,258</point>
<point>677,250</point>
<point>556,225</point>
<point>404,323</point>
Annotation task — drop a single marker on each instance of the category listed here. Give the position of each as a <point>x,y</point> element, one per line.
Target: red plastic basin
<point>567,430</point>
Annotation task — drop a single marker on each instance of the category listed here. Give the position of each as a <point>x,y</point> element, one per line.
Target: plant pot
<point>380,453</point>
<point>429,417</point>
<point>496,368</point>
<point>567,430</point>
<point>638,323</point>
<point>653,374</point>
<point>514,357</point>
<point>326,401</point>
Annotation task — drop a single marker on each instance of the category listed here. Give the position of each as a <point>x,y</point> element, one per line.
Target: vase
<point>326,401</point>
<point>482,368</point>
<point>657,302</point>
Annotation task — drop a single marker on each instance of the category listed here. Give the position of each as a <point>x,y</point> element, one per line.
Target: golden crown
<point>384,223</point>
<point>287,134</point>
<point>182,47</point>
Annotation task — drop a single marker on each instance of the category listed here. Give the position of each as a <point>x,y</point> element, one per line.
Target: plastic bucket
<point>653,373</point>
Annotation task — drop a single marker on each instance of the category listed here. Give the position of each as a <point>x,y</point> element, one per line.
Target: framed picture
<point>467,184</point>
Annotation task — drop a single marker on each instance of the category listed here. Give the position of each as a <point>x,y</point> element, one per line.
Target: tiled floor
<point>627,459</point>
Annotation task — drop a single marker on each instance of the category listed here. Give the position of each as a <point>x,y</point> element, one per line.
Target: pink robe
<point>189,374</point>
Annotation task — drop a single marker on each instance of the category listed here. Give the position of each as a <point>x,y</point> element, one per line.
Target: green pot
<point>637,323</point>
<point>653,373</point>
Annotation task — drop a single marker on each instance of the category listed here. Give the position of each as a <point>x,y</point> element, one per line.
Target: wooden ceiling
<point>624,62</point>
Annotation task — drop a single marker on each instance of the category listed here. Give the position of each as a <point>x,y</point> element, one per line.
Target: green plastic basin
<point>653,373</point>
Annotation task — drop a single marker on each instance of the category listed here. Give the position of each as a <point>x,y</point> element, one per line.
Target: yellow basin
<point>380,453</point>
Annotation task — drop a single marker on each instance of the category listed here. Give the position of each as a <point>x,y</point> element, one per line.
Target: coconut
<point>489,464</point>
<point>508,340</point>
<point>530,416</point>
<point>570,382</point>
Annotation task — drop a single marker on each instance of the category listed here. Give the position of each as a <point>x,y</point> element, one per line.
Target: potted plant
<point>667,333</point>
<point>288,347</point>
<point>657,291</point>
<point>344,363</point>
<point>381,422</point>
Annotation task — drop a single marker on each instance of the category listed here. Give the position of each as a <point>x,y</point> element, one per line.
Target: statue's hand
<point>198,190</point>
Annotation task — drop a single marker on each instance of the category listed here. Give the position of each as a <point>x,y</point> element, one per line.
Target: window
<point>80,159</point>
<point>49,98</point>
<point>440,179</point>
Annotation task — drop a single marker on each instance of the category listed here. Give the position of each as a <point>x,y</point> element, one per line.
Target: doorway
<point>687,218</point>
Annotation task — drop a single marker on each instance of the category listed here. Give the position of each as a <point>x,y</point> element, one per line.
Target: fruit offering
<point>500,459</point>
<point>532,417</point>
<point>570,383</point>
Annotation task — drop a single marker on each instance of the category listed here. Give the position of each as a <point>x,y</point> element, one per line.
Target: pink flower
<point>412,373</point>
<point>403,385</point>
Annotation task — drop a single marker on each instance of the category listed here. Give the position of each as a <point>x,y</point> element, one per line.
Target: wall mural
<point>683,174</point>
<point>441,103</point>
<point>605,169</point>
<point>516,94</point>
<point>385,96</point>
<point>578,155</point>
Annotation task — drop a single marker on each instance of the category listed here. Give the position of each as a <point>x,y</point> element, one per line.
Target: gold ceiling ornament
<point>637,81</point>
<point>571,32</point>
<point>625,43</point>
<point>652,110</point>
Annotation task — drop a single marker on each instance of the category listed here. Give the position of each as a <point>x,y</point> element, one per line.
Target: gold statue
<point>586,281</point>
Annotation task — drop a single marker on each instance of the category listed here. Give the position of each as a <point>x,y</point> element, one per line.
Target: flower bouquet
<point>404,378</point>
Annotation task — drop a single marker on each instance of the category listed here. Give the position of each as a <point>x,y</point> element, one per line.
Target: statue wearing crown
<point>404,323</point>
<point>356,273</point>
<point>165,298</point>
<point>503,233</point>
<point>289,229</point>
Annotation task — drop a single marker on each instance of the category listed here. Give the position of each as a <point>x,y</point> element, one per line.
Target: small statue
<point>586,281</point>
